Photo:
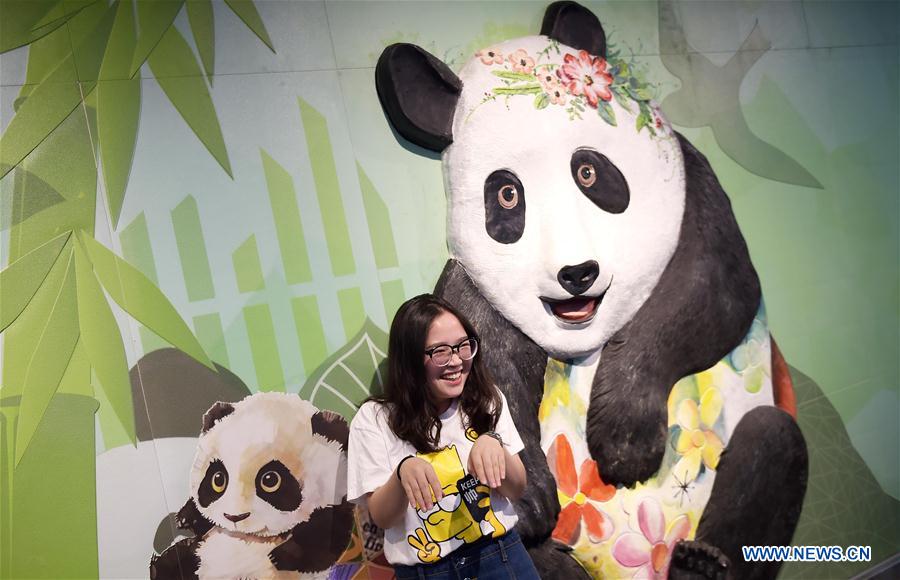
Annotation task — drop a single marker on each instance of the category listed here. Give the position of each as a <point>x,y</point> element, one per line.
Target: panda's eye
<point>586,175</point>
<point>600,180</point>
<point>504,206</point>
<point>508,196</point>
<point>219,481</point>
<point>270,481</point>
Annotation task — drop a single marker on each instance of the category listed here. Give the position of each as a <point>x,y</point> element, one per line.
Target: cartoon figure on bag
<point>599,259</point>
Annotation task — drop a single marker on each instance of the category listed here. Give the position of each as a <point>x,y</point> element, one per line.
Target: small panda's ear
<point>218,411</point>
<point>331,426</point>
<point>418,93</point>
<point>574,25</point>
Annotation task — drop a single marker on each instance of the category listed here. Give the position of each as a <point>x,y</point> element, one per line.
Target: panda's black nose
<point>577,279</point>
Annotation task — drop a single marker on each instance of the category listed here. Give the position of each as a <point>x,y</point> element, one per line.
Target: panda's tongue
<point>575,310</point>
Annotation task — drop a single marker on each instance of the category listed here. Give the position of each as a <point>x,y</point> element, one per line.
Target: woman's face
<point>446,383</point>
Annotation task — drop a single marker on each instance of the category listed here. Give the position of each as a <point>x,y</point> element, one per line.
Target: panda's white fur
<point>562,226</point>
<point>262,428</point>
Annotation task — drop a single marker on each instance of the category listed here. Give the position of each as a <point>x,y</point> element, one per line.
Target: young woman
<point>435,458</point>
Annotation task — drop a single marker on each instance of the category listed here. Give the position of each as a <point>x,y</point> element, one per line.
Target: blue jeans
<point>492,559</point>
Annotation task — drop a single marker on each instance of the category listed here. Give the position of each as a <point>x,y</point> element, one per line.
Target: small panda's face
<point>564,224</point>
<point>262,470</point>
<point>259,503</point>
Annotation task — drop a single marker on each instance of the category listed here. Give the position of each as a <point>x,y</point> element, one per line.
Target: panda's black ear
<point>218,411</point>
<point>574,25</point>
<point>332,426</point>
<point>418,93</point>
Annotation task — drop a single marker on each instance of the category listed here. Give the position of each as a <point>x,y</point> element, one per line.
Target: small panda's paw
<point>554,561</point>
<point>696,560</point>
<point>288,556</point>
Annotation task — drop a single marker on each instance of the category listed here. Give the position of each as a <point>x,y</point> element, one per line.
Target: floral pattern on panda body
<point>581,81</point>
<point>625,533</point>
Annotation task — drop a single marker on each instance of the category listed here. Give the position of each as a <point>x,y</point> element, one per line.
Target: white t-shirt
<point>426,537</point>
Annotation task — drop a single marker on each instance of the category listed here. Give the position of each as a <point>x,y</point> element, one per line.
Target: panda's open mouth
<point>574,310</point>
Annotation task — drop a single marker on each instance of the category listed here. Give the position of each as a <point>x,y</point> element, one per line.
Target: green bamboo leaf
<point>514,76</point>
<point>621,97</point>
<point>155,18</point>
<point>51,337</point>
<point>140,298</point>
<point>520,90</point>
<point>246,11</point>
<point>607,112</point>
<point>181,79</point>
<point>17,19</point>
<point>346,378</point>
<point>62,13</point>
<point>20,280</point>
<point>200,16</point>
<point>42,112</point>
<point>118,109</point>
<point>103,342</point>
<point>89,31</point>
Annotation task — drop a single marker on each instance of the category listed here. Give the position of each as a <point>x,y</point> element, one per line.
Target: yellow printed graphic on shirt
<point>449,522</point>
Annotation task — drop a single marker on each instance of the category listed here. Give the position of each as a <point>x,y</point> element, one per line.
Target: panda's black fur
<point>309,547</point>
<point>700,309</point>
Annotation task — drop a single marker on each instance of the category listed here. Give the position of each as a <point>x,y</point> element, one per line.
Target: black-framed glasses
<point>442,354</point>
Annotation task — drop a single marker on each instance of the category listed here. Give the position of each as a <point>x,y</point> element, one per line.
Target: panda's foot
<point>695,560</point>
<point>554,561</point>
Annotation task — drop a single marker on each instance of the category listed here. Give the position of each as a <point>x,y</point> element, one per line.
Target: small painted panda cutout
<point>590,241</point>
<point>268,493</point>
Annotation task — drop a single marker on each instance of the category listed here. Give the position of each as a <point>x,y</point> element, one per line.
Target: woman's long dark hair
<point>412,415</point>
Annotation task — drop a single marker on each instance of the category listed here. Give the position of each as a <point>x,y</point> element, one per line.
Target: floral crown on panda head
<point>581,82</point>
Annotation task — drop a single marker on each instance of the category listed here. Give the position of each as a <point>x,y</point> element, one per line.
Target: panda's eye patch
<point>504,206</point>
<point>214,483</point>
<point>276,485</point>
<point>600,180</point>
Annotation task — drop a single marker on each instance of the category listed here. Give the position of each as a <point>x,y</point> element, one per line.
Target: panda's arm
<point>517,366</point>
<point>317,543</point>
<point>701,308</point>
<point>178,562</point>
<point>190,518</point>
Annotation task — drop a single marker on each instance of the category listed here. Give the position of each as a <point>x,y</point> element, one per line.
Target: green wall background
<point>246,171</point>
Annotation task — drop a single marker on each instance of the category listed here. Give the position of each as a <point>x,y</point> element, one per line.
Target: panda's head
<point>565,186</point>
<point>265,463</point>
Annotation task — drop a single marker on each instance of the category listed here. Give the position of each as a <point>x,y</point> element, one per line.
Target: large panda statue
<point>597,255</point>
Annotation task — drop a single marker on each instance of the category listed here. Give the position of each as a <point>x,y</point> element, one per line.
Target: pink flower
<point>490,56</point>
<point>557,94</point>
<point>521,62</point>
<point>651,550</point>
<point>586,75</point>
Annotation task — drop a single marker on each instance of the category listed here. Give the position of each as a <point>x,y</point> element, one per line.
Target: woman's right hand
<point>421,483</point>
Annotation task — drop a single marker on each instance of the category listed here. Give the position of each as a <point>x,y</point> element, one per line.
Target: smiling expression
<point>445,383</point>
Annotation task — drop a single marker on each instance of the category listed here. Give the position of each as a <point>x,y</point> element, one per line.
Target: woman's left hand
<point>487,461</point>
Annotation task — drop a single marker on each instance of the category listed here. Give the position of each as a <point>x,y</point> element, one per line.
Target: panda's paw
<point>289,556</point>
<point>554,561</point>
<point>696,560</point>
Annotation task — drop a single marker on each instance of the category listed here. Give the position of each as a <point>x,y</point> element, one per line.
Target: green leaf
<point>514,76</point>
<point>180,77</point>
<point>200,16</point>
<point>155,18</point>
<point>48,339</point>
<point>541,101</point>
<point>351,374</point>
<point>20,280</point>
<point>246,11</point>
<point>62,12</point>
<point>103,342</point>
<point>42,112</point>
<point>641,122</point>
<point>17,19</point>
<point>519,90</point>
<point>607,112</point>
<point>89,31</point>
<point>621,97</point>
<point>140,298</point>
<point>118,109</point>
